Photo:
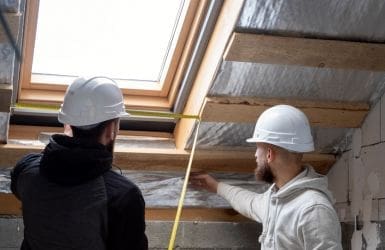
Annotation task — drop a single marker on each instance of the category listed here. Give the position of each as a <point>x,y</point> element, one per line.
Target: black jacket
<point>73,200</point>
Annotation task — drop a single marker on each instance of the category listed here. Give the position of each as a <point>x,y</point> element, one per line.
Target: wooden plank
<point>5,97</point>
<point>208,68</point>
<point>193,34</point>
<point>320,113</point>
<point>29,36</point>
<point>245,47</point>
<point>10,154</point>
<point>195,214</point>
<point>56,97</point>
<point>22,132</point>
<point>146,159</point>
<point>11,206</point>
<point>176,160</point>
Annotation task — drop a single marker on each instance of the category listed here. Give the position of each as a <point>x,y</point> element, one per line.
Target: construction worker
<point>71,199</point>
<point>296,211</point>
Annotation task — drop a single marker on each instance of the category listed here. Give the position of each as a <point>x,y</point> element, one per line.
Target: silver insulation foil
<point>298,82</point>
<point>162,190</point>
<point>233,136</point>
<point>341,19</point>
<point>4,120</point>
<point>5,181</point>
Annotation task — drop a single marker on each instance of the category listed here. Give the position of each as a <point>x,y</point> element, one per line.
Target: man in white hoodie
<point>296,211</point>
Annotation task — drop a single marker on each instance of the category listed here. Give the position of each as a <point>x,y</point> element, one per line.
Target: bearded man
<point>296,211</point>
<point>71,198</point>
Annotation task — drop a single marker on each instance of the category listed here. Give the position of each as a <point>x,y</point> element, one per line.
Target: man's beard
<point>263,173</point>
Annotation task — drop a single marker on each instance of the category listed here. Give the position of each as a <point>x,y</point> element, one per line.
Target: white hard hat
<point>89,102</point>
<point>286,127</point>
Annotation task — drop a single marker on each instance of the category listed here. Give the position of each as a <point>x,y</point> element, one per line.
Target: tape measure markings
<point>132,112</point>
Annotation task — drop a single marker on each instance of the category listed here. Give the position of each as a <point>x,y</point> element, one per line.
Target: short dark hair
<point>92,134</point>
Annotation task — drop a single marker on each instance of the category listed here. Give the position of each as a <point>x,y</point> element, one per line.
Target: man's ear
<point>113,130</point>
<point>109,132</point>
<point>270,155</point>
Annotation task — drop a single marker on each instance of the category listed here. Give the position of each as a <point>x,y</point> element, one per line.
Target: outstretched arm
<point>247,203</point>
<point>205,181</point>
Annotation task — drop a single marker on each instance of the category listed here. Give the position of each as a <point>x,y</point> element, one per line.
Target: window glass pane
<point>124,39</point>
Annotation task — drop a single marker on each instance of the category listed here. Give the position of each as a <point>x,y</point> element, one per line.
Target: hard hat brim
<point>299,148</point>
<point>251,140</point>
<point>124,114</point>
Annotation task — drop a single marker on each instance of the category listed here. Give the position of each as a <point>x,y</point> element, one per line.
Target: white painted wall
<point>357,180</point>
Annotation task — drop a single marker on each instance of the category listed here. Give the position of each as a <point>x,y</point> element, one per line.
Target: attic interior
<point>236,59</point>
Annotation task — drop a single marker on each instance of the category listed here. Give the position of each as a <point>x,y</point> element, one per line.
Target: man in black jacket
<point>71,198</point>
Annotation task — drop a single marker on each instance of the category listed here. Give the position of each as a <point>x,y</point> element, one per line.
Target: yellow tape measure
<point>183,193</point>
<point>49,107</point>
<point>133,112</point>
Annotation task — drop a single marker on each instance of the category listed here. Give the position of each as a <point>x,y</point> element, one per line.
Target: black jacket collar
<point>70,161</point>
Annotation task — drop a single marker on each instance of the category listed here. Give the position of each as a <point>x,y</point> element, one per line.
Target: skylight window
<point>122,39</point>
<point>144,45</point>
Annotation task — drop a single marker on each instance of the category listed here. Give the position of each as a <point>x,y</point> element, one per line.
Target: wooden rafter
<point>245,47</point>
<point>320,113</point>
<point>11,206</point>
<point>173,159</point>
<point>222,32</point>
<point>25,132</point>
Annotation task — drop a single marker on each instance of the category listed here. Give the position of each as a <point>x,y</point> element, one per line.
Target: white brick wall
<point>359,174</point>
<point>339,179</point>
<point>369,148</point>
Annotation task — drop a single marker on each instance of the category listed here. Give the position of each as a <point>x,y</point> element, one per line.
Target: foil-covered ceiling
<point>222,135</point>
<point>349,20</point>
<point>342,19</point>
<point>297,82</point>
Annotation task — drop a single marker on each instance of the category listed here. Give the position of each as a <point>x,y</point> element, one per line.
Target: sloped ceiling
<point>268,83</point>
<point>347,20</point>
<point>344,19</point>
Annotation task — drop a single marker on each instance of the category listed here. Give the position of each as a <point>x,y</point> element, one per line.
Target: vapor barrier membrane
<point>288,81</point>
<point>4,120</point>
<point>163,189</point>
<point>6,63</point>
<point>5,181</point>
<point>342,19</point>
<point>232,136</point>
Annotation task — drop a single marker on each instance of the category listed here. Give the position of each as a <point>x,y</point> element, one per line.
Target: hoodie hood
<point>70,161</point>
<point>307,179</point>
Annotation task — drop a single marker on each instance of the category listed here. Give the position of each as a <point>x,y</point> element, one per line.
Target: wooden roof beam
<point>332,114</point>
<point>29,132</point>
<point>244,47</point>
<point>11,206</point>
<point>146,159</point>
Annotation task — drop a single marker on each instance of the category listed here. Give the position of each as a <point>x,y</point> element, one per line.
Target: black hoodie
<point>73,200</point>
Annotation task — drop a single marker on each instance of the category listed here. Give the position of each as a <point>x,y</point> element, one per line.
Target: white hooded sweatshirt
<point>299,215</point>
